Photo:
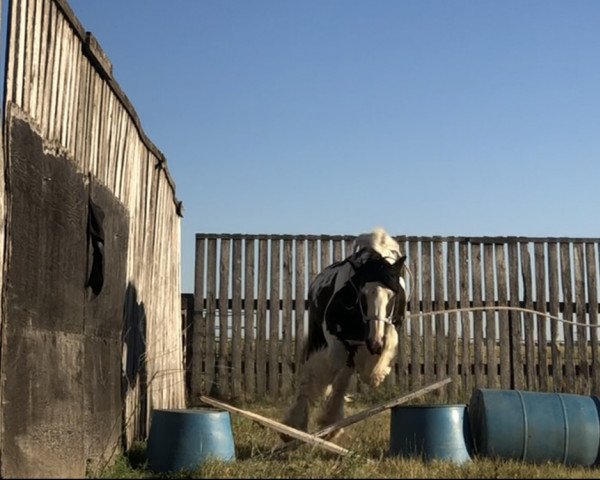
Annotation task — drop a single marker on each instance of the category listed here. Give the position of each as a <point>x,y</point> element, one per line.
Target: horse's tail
<point>316,338</point>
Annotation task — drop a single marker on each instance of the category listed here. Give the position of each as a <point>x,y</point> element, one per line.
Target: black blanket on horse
<point>334,297</point>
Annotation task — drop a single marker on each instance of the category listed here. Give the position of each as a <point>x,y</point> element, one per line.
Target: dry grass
<point>369,440</point>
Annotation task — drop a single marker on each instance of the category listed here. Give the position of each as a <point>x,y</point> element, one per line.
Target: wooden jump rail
<point>359,417</point>
<point>316,437</point>
<point>278,427</point>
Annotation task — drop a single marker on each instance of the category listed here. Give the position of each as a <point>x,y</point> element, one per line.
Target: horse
<point>354,306</point>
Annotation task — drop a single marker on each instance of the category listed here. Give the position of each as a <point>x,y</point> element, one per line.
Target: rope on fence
<point>518,309</point>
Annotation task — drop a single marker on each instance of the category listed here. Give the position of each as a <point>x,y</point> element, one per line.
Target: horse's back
<point>321,289</point>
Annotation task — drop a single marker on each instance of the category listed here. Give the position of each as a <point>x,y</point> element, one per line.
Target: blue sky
<point>335,116</point>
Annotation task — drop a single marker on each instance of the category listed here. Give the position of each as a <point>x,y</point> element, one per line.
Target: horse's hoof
<point>379,376</point>
<point>333,435</point>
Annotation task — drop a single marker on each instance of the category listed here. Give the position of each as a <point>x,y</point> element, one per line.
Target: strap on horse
<point>351,353</point>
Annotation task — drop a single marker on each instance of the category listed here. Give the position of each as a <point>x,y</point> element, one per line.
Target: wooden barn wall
<point>91,324</point>
<point>247,319</point>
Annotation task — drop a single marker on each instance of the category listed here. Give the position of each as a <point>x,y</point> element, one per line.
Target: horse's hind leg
<point>333,409</point>
<point>314,377</point>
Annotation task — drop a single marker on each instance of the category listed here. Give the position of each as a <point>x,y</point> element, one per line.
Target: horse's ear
<point>399,264</point>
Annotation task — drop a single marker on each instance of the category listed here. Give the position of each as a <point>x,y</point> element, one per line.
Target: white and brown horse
<point>352,308</point>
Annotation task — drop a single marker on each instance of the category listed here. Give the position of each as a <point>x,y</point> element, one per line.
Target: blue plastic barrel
<point>431,432</point>
<point>184,439</point>
<point>535,427</point>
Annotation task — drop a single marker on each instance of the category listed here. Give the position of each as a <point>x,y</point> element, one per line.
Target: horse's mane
<point>380,241</point>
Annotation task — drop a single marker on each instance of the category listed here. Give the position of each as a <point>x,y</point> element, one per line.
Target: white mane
<point>380,241</point>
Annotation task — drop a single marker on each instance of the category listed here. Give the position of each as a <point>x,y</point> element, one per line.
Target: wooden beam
<point>279,427</point>
<point>359,417</point>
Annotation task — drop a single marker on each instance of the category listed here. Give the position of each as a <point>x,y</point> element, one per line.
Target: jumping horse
<point>353,308</point>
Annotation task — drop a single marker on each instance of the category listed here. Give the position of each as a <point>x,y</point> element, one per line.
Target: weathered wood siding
<point>76,147</point>
<point>492,349</point>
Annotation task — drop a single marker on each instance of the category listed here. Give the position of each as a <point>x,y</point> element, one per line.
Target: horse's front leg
<point>383,367</point>
<point>333,408</point>
<point>374,368</point>
<point>314,377</point>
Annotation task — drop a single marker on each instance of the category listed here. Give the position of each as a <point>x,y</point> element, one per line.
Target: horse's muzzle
<point>375,348</point>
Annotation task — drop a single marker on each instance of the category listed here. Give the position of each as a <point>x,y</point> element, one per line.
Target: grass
<point>368,440</point>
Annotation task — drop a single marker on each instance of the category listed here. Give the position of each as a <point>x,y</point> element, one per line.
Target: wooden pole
<point>279,427</point>
<point>359,417</point>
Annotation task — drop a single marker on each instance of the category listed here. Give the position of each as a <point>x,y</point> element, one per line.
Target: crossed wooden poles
<point>315,438</point>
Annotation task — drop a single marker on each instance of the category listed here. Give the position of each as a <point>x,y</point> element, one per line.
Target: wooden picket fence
<point>246,320</point>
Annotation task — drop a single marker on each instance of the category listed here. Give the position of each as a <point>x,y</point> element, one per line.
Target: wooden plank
<point>249,321</point>
<point>103,169</point>
<point>67,84</point>
<point>583,385</point>
<point>123,186</point>
<point>115,113</point>
<point>278,427</point>
<point>452,327</point>
<point>35,41</point>
<point>490,317</point>
<point>199,331</point>
<point>42,61</point>
<point>517,373</point>
<point>62,85</point>
<point>300,297</point>
<point>477,316</point>
<point>22,54</point>
<point>57,78</point>
<point>504,325</point>
<point>591,271</point>
<point>94,124</point>
<point>337,250</point>
<point>236,320</point>
<point>211,307</point>
<point>287,359</point>
<point>75,113</point>
<point>361,416</point>
<point>313,259</point>
<point>83,123</point>
<point>12,54</point>
<point>52,70</point>
<point>223,370</point>
<point>540,298</point>
<point>415,321</point>
<point>426,290</point>
<point>569,384</point>
<point>325,253</point>
<point>553,291</point>
<point>261,319</point>
<point>115,116</point>
<point>465,320</point>
<point>274,319</point>
<point>28,60</point>
<point>529,321</point>
<point>113,175</point>
<point>74,48</point>
<point>441,358</point>
<point>402,360</point>
<point>51,73</point>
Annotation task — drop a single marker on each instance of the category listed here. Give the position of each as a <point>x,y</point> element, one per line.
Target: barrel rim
<point>434,405</point>
<point>195,410</point>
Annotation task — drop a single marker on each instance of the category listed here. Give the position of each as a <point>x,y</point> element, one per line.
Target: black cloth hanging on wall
<point>95,235</point>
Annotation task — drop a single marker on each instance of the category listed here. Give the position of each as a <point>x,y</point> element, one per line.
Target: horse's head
<point>380,286</point>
